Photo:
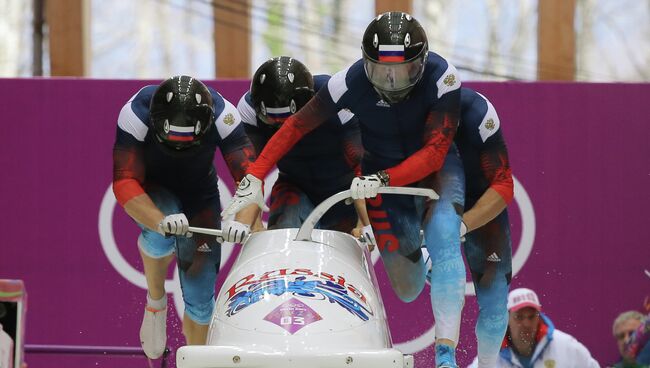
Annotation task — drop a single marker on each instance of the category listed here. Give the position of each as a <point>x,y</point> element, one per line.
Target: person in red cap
<point>532,341</point>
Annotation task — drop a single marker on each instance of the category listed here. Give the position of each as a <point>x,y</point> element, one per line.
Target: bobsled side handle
<point>310,222</point>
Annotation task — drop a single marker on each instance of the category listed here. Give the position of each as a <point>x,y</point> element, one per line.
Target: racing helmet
<point>280,87</point>
<point>181,112</point>
<point>395,50</point>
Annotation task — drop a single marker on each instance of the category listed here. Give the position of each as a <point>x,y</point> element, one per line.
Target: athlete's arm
<point>496,168</point>
<point>238,152</point>
<point>362,212</point>
<point>128,175</point>
<point>238,160</point>
<point>439,132</point>
<point>352,146</point>
<point>250,216</point>
<point>257,138</point>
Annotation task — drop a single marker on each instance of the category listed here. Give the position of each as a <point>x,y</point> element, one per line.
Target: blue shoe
<point>445,356</point>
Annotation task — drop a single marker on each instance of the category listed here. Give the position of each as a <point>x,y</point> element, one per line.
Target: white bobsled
<point>300,298</point>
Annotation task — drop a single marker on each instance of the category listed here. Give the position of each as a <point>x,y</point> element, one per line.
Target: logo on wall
<point>302,283</point>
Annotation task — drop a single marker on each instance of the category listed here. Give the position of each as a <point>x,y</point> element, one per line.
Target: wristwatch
<point>383,177</point>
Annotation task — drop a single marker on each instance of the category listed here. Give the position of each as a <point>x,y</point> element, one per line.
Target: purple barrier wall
<point>580,154</point>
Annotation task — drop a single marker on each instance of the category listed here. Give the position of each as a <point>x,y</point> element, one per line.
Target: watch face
<point>384,177</point>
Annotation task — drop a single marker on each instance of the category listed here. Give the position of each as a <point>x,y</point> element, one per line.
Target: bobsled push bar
<point>306,229</point>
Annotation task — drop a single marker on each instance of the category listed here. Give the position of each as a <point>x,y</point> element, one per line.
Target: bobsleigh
<point>300,298</point>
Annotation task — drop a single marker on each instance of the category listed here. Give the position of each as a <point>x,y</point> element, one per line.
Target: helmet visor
<point>393,77</point>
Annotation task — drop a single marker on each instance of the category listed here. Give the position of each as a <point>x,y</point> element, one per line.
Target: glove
<point>369,237</point>
<point>463,230</point>
<point>367,186</point>
<point>175,224</point>
<point>248,192</point>
<point>233,231</point>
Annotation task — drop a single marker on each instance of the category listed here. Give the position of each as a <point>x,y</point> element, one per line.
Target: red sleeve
<point>313,114</point>
<point>496,168</point>
<point>239,160</point>
<point>128,173</point>
<point>126,189</point>
<point>440,129</point>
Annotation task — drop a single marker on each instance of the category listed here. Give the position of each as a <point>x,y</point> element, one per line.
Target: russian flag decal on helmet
<point>391,53</point>
<point>177,133</point>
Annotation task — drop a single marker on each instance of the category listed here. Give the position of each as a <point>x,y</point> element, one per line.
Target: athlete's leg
<point>198,285</point>
<point>155,272</point>
<point>156,252</point>
<point>199,277</point>
<point>289,205</point>
<point>488,250</point>
<point>396,224</point>
<point>441,232</point>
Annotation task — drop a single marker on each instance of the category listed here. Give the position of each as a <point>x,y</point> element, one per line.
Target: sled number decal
<point>293,315</point>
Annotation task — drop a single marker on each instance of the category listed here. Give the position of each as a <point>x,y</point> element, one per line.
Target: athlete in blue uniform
<point>323,163</point>
<point>163,175</point>
<point>408,103</point>
<point>486,228</point>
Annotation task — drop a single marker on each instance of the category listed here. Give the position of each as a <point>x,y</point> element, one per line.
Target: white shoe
<point>153,332</point>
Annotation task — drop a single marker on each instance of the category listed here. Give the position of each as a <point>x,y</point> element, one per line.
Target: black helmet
<point>280,87</point>
<point>181,112</point>
<point>394,54</point>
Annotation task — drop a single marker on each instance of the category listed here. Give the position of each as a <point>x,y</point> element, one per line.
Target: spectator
<point>532,340</point>
<point>631,330</point>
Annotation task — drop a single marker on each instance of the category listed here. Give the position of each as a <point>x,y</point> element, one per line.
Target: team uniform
<point>186,182</point>
<point>323,163</point>
<point>409,140</point>
<point>488,248</point>
<point>554,348</point>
